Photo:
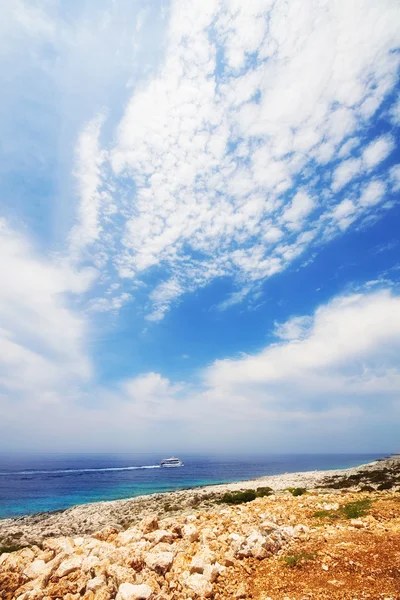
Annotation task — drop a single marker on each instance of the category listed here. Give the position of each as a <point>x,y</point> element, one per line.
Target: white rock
<point>129,536</point>
<point>36,569</point>
<point>200,585</point>
<point>211,572</point>
<point>61,544</point>
<point>357,523</point>
<point>190,533</point>
<point>333,506</point>
<point>255,545</point>
<point>159,562</point>
<point>269,526</point>
<point>190,518</point>
<point>96,583</point>
<point>149,524</point>
<point>90,562</point>
<point>161,535</point>
<point>69,565</point>
<point>235,541</point>
<point>129,591</point>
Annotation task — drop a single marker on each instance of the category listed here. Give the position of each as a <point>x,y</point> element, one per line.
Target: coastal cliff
<point>328,542</point>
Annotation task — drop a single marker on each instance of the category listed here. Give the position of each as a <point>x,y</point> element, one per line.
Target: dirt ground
<point>339,558</point>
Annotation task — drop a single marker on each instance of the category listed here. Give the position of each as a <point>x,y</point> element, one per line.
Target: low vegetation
<point>296,560</point>
<point>245,496</point>
<point>298,491</point>
<point>351,510</point>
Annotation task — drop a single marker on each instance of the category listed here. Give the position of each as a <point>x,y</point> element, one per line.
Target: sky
<point>199,226</point>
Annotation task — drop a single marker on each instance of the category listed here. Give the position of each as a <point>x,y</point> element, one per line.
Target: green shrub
<point>385,486</point>
<point>263,491</point>
<point>367,488</point>
<point>239,497</point>
<point>299,491</point>
<point>296,491</point>
<point>295,560</point>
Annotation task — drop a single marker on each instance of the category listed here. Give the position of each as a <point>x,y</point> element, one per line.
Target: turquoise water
<point>30,484</point>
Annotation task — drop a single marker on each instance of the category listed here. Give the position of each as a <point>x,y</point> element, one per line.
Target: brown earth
<point>320,545</point>
<point>338,561</point>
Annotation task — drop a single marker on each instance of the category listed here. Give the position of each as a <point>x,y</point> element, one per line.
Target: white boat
<point>171,462</point>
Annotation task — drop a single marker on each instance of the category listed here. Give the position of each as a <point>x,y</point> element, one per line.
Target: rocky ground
<point>336,543</point>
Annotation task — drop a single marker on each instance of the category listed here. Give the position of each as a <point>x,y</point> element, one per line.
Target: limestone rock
<point>200,585</point>
<point>149,524</point>
<point>96,583</point>
<point>69,565</point>
<point>190,533</point>
<point>36,568</point>
<point>129,536</point>
<point>160,535</point>
<point>160,562</point>
<point>128,591</point>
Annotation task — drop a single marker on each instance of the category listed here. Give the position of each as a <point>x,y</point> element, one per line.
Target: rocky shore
<point>275,541</point>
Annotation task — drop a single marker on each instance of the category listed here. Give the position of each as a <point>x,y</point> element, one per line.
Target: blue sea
<point>31,484</point>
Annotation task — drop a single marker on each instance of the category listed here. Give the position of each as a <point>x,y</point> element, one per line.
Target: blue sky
<point>199,226</point>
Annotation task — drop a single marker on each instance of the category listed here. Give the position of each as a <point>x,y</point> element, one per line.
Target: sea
<point>38,483</point>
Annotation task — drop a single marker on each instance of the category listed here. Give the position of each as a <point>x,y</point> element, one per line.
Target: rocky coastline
<point>237,540</point>
<point>89,518</point>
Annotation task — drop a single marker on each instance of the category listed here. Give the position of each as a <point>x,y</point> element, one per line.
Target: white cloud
<point>89,160</point>
<point>373,193</point>
<point>395,113</point>
<point>332,373</point>
<point>345,172</point>
<point>394,175</point>
<point>161,297</point>
<point>378,150</point>
<point>348,346</point>
<point>214,148</point>
<point>299,208</point>
<point>42,339</point>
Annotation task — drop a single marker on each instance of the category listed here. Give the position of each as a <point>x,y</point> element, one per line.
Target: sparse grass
<point>351,510</point>
<point>296,560</point>
<point>326,514</point>
<point>354,510</point>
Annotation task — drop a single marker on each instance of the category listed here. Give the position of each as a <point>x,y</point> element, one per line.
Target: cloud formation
<point>327,372</point>
<point>222,149</point>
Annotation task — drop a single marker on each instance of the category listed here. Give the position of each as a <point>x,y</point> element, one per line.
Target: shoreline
<point>197,486</point>
<point>89,518</point>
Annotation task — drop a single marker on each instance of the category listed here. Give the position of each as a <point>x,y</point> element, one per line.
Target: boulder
<point>161,535</point>
<point>96,583</point>
<point>160,562</point>
<point>200,585</point>
<point>36,569</point>
<point>190,533</point>
<point>129,536</point>
<point>129,591</point>
<point>149,524</point>
<point>69,565</point>
<point>60,544</point>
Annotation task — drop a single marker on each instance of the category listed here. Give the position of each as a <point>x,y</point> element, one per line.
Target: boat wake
<point>55,471</point>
